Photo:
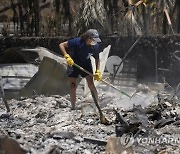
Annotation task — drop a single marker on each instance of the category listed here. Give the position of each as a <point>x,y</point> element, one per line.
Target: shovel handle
<point>82,69</point>
<point>79,67</point>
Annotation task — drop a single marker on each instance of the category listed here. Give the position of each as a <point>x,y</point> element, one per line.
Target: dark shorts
<point>75,72</point>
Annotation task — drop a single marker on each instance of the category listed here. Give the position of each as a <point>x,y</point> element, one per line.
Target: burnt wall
<point>144,53</point>
<point>31,42</point>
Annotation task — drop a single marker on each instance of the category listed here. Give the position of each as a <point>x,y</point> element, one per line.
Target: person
<point>81,49</point>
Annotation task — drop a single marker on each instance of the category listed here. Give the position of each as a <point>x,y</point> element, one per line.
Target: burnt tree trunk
<point>36,17</point>
<point>109,9</point>
<point>21,19</point>
<point>57,5</point>
<point>145,19</point>
<point>13,7</point>
<point>68,14</point>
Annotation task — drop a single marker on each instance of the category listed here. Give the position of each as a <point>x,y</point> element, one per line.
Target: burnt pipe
<point>144,52</point>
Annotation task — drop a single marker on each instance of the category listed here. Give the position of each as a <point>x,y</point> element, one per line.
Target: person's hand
<point>69,60</point>
<point>97,75</point>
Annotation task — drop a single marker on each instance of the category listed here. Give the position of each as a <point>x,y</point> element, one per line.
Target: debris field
<point>47,125</point>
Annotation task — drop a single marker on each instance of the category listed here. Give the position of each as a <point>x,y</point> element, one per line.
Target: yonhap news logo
<point>159,140</point>
<point>128,140</point>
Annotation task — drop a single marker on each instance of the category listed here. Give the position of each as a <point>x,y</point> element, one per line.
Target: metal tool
<point>79,67</point>
<point>103,119</point>
<point>134,98</point>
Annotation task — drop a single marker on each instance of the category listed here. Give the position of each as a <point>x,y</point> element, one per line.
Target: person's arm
<point>63,47</point>
<point>97,61</point>
<point>97,75</point>
<point>68,58</point>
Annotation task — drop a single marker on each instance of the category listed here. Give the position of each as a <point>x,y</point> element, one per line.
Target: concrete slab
<point>50,79</point>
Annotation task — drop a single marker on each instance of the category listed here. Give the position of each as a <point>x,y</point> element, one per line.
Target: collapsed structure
<point>45,123</point>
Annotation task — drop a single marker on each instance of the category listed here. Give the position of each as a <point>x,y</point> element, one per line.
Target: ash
<point>47,125</point>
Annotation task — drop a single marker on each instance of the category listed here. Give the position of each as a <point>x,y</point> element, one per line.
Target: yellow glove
<point>69,60</point>
<point>97,75</point>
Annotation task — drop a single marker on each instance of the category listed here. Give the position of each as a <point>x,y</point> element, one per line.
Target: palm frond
<point>91,15</point>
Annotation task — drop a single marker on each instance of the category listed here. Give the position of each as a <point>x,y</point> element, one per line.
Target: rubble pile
<point>47,125</point>
<point>155,128</point>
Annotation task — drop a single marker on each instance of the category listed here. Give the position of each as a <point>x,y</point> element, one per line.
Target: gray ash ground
<point>45,125</point>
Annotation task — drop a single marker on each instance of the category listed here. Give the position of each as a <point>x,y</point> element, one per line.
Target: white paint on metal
<point>113,63</point>
<point>103,58</point>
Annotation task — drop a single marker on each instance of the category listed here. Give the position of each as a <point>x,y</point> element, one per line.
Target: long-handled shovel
<point>137,97</point>
<point>134,98</point>
<point>79,67</point>
<point>103,119</point>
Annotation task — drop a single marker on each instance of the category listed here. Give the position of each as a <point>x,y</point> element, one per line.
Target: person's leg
<point>73,92</point>
<point>95,97</point>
